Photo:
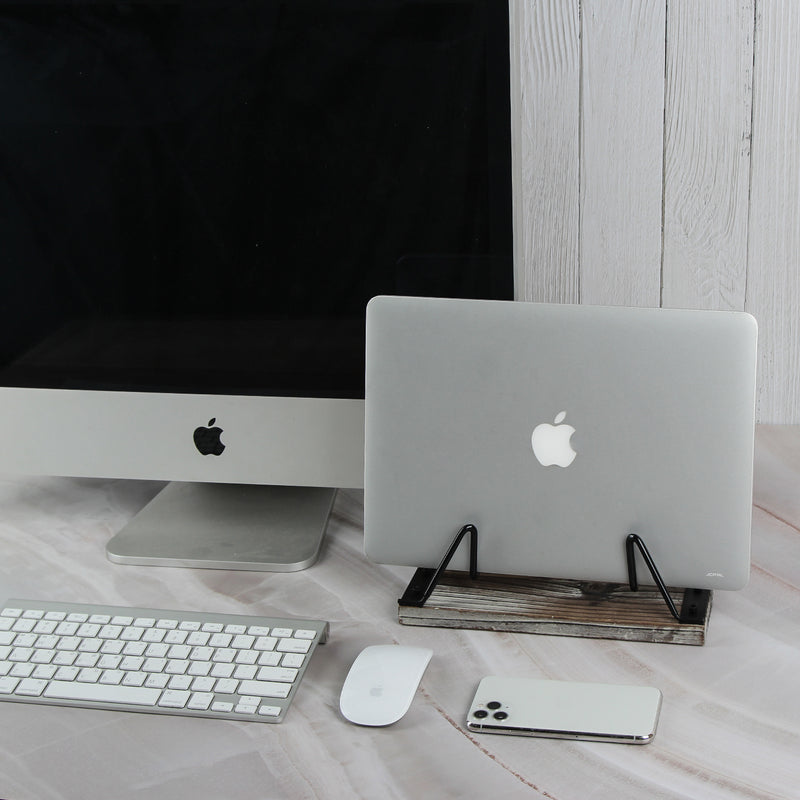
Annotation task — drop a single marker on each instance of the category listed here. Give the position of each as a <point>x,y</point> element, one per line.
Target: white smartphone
<point>565,710</point>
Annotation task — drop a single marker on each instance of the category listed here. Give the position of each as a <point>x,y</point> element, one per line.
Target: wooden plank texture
<point>554,607</point>
<point>622,122</point>
<point>545,103</point>
<point>773,279</point>
<point>681,186</point>
<point>709,82</point>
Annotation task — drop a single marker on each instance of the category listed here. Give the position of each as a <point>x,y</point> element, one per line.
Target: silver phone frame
<point>515,729</point>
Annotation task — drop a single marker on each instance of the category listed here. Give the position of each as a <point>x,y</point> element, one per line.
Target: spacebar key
<point>101,693</point>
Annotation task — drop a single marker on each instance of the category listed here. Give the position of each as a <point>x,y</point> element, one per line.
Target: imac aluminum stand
<point>227,526</point>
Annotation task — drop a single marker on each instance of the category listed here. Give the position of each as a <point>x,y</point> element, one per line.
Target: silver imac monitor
<point>198,200</point>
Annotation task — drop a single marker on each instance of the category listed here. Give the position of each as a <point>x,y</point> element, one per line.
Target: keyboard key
<point>180,682</point>
<point>20,654</point>
<point>203,685</point>
<point>134,678</point>
<point>293,646</point>
<point>222,670</point>
<point>112,677</point>
<point>199,668</point>
<point>200,701</point>
<point>157,680</point>
<point>246,657</point>
<point>43,656</point>
<point>235,630</point>
<point>31,687</point>
<point>265,688</point>
<point>67,628</point>
<point>67,673</point>
<point>277,674</point>
<point>45,626</point>
<point>212,627</point>
<point>45,671</point>
<point>245,672</point>
<point>112,647</point>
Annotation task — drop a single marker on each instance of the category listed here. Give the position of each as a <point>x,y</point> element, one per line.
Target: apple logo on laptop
<point>207,440</point>
<point>551,443</point>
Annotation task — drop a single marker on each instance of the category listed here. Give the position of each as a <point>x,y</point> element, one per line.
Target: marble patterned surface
<point>730,723</point>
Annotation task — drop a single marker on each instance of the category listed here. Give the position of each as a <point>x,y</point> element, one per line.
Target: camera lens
<point>500,715</point>
<point>480,714</point>
<point>493,705</point>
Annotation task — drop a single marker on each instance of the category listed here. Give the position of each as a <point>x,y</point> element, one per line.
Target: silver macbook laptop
<point>557,430</point>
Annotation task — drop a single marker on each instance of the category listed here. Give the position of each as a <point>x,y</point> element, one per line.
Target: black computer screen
<point>203,196</point>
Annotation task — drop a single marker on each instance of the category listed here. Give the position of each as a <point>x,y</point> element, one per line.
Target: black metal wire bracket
<point>695,601</point>
<point>425,579</point>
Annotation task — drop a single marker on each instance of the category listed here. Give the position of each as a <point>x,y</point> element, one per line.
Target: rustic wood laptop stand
<point>448,599</point>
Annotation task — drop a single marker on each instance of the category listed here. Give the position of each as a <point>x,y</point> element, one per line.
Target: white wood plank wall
<point>657,163</point>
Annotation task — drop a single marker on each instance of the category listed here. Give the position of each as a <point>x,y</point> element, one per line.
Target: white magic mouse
<point>382,682</point>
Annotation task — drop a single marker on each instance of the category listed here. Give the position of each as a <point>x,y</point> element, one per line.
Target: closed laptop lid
<point>558,430</point>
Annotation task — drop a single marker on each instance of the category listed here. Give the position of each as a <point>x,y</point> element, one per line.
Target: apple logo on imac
<point>551,443</point>
<point>207,439</point>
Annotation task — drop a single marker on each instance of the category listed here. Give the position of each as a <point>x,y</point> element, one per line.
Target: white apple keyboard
<point>225,666</point>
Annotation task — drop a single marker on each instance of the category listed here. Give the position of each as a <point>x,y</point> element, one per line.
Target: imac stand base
<point>227,526</point>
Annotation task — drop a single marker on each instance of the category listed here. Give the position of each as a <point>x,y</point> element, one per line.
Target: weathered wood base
<point>555,607</point>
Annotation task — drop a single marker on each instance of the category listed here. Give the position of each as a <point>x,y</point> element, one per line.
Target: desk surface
<point>730,723</point>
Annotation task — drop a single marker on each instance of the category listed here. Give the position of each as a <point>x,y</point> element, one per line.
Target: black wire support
<point>695,601</point>
<point>425,579</point>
